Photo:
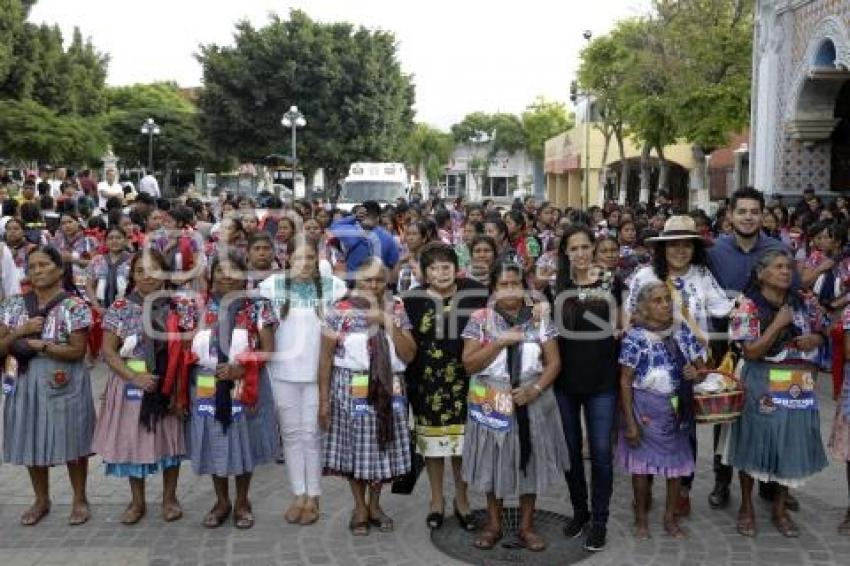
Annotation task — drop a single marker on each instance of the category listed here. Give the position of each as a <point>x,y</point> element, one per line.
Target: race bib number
<point>133,393</point>
<point>399,400</point>
<point>8,385</point>
<point>793,389</point>
<point>490,407</point>
<point>205,394</point>
<point>359,394</point>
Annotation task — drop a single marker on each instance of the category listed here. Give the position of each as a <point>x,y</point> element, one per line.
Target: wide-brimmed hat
<point>680,227</point>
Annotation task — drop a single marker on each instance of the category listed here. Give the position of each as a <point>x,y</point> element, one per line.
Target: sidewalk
<point>104,540</point>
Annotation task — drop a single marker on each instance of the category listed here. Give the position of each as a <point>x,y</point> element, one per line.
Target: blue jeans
<point>600,413</point>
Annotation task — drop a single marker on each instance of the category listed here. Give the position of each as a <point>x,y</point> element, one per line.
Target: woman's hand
<point>632,434</point>
<point>324,414</point>
<point>525,395</point>
<point>144,381</point>
<point>229,372</point>
<point>784,317</point>
<point>808,342</point>
<point>510,337</point>
<point>691,373</point>
<point>36,345</point>
<point>31,326</point>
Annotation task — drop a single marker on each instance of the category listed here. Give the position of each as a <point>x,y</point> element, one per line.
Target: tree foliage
<point>542,120</point>
<point>347,81</point>
<point>430,148</point>
<point>504,132</point>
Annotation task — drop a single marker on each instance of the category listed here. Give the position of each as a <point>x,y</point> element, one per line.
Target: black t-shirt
<point>589,351</point>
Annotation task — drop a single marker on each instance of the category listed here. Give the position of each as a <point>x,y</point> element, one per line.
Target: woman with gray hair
<point>777,438</point>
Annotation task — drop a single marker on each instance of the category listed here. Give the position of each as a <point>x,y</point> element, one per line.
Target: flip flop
<point>34,515</point>
<point>216,518</point>
<point>674,529</point>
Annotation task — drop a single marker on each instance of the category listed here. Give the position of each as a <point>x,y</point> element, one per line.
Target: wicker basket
<point>716,408</point>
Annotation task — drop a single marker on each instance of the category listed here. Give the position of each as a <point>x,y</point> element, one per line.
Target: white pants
<point>298,416</point>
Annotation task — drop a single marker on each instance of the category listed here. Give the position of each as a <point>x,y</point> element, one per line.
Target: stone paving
<point>104,540</point>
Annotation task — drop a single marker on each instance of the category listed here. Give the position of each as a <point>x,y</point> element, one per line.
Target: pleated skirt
<point>351,445</point>
<point>772,442</point>
<point>120,438</point>
<point>46,426</point>
<point>250,440</point>
<point>491,459</point>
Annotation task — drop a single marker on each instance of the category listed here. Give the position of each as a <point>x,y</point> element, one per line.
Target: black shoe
<point>575,526</point>
<point>434,520</point>
<point>719,497</point>
<point>595,540</point>
<point>467,522</point>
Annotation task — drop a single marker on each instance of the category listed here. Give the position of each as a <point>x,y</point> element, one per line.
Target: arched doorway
<point>840,158</point>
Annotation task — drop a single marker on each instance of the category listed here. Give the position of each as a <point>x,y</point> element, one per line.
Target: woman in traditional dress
<point>839,439</point>
<point>301,297</point>
<point>284,239</point>
<point>232,430</point>
<point>109,272</point>
<point>484,252</point>
<point>778,436</point>
<point>437,383</point>
<point>76,248</point>
<point>659,359</point>
<point>20,248</point>
<point>361,394</point>
<point>511,445</point>
<point>182,246</point>
<point>49,415</point>
<point>139,431</point>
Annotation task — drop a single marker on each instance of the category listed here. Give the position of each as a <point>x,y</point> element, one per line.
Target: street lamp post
<point>293,119</point>
<point>574,94</point>
<point>150,129</point>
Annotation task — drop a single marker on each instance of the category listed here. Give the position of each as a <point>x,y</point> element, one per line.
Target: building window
<point>496,187</point>
<point>455,185</point>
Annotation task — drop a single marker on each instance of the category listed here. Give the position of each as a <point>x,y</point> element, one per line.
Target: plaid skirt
<point>351,444</point>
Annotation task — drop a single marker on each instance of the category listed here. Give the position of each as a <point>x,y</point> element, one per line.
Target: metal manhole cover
<point>457,543</point>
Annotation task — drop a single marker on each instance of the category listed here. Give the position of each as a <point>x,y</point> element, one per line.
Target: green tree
<point>429,148</point>
<point>29,130</point>
<point>503,132</point>
<point>542,120</point>
<point>347,81</point>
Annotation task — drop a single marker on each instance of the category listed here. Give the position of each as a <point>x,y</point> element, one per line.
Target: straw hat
<point>680,227</point>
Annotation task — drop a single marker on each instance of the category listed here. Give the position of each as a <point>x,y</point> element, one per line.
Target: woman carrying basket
<point>778,436</point>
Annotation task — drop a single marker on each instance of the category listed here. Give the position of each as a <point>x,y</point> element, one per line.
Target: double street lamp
<point>574,94</point>
<point>293,119</point>
<point>150,129</point>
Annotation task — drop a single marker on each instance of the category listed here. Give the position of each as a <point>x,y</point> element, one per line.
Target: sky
<point>465,55</point>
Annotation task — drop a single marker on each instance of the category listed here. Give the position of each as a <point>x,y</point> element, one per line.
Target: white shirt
<point>299,336</point>
<point>105,191</point>
<point>9,273</point>
<point>700,292</point>
<point>148,184</point>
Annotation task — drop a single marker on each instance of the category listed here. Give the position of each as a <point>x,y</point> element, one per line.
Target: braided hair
<point>301,242</point>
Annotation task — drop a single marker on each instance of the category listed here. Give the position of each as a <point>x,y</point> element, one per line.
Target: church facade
<point>800,135</point>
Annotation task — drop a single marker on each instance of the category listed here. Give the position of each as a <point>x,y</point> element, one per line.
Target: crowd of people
<point>360,343</point>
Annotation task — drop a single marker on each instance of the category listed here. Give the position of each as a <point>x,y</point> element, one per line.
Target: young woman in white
<point>300,297</point>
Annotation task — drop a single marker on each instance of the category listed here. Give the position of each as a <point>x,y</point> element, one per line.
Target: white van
<point>381,182</point>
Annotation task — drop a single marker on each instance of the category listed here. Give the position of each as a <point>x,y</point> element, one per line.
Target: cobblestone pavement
<point>272,541</point>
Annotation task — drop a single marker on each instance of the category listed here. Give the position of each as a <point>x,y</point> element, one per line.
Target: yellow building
<point>571,153</point>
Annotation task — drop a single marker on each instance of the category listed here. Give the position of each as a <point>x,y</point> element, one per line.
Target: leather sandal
<point>531,540</point>
<point>80,515</point>
<point>216,518</point>
<point>34,515</point>
<point>171,512</point>
<point>674,529</point>
<point>786,526</point>
<point>381,521</point>
<point>746,525</point>
<point>309,514</point>
<point>132,515</point>
<point>293,513</point>
<point>358,526</point>
<point>243,518</point>
<point>487,539</point>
